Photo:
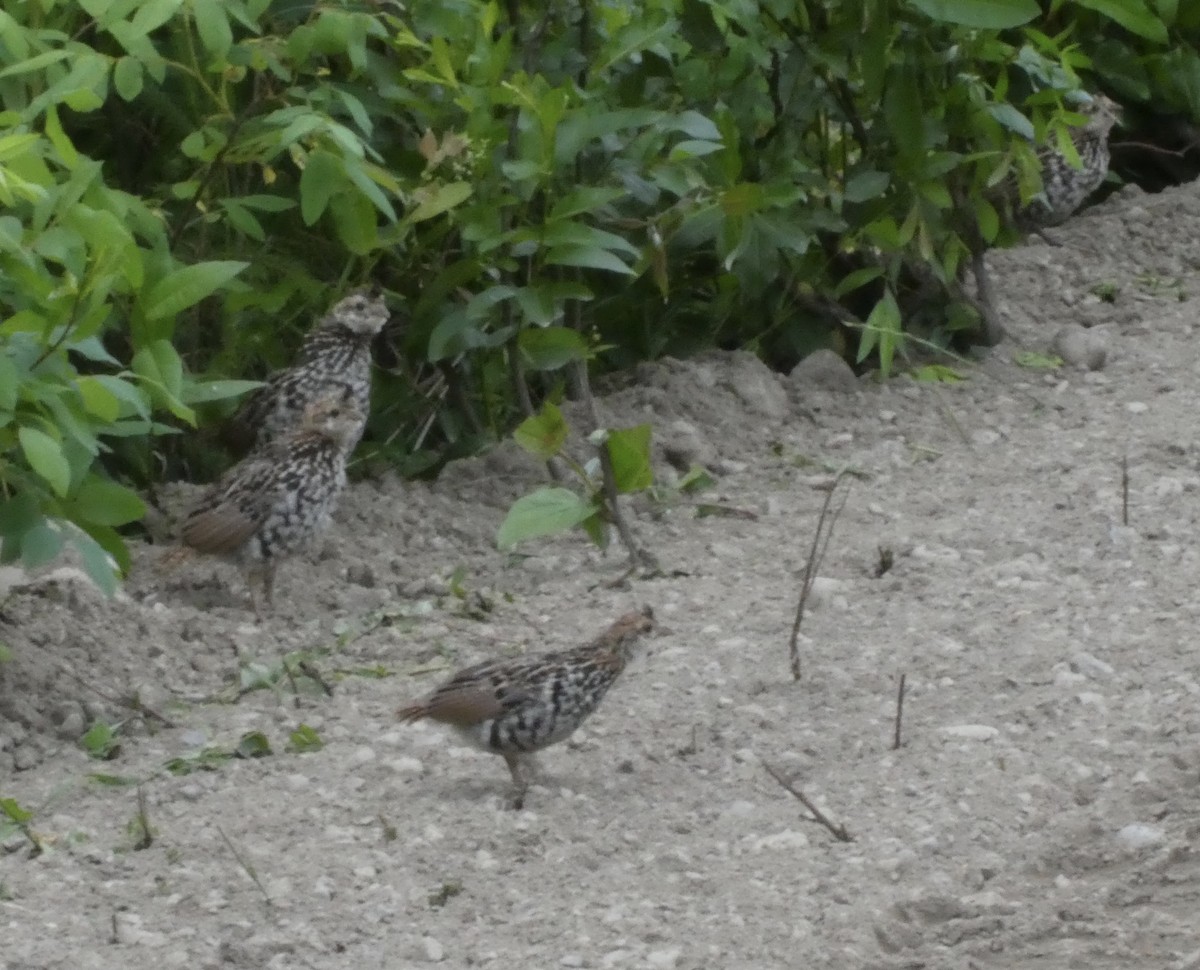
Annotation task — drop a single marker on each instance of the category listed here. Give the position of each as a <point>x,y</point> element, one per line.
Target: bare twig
<point>145,837</point>
<point>309,669</point>
<point>1124,490</point>
<point>836,828</point>
<point>815,556</point>
<point>899,714</point>
<point>249,869</point>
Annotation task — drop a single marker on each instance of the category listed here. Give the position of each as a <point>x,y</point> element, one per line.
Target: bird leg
<point>520,783</point>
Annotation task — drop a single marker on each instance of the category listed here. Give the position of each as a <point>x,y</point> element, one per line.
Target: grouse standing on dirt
<point>1065,187</point>
<point>336,352</point>
<point>271,504</point>
<point>515,707</point>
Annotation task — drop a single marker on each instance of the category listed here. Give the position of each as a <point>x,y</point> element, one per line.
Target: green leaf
<point>9,384</point>
<point>354,220</point>
<point>542,513</point>
<point>988,14</point>
<point>15,812</point>
<point>98,400</point>
<point>304,739</point>
<point>433,200</point>
<point>201,392</point>
<point>101,742</point>
<point>159,362</point>
<point>548,348</point>
<point>45,456</point>
<point>188,286</point>
<point>866,185</point>
<point>41,544</point>
<point>103,502</point>
<point>1133,15</point>
<point>213,27</point>
<point>629,450</point>
<point>253,744</point>
<point>859,277</point>
<point>589,257</point>
<point>543,434</point>
<point>323,178</point>
<point>584,199</point>
<point>128,78</point>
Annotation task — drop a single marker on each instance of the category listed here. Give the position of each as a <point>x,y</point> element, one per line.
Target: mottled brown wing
<point>230,512</point>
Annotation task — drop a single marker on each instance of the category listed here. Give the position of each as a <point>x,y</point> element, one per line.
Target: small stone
<point>361,574</point>
<point>1081,348</point>
<point>570,960</point>
<point>1137,407</point>
<point>406,766</point>
<point>971,732</point>
<point>664,959</point>
<point>362,755</point>
<point>1091,666</point>
<point>683,446</point>
<point>823,370</point>
<point>984,437</point>
<point>1137,835</point>
<point>434,951</point>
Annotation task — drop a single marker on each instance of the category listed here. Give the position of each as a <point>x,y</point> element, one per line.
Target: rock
<point>757,386</point>
<point>434,951</point>
<point>1080,347</point>
<point>823,370</point>
<point>1137,835</point>
<point>971,732</point>
<point>683,446</point>
<point>665,959</point>
<point>361,574</point>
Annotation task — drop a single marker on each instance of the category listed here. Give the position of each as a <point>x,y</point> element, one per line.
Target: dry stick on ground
<point>837,828</point>
<point>899,713</point>
<point>1125,490</point>
<point>145,836</point>
<point>249,869</point>
<point>815,556</point>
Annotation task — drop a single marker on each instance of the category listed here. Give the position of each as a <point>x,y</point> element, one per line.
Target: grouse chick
<point>336,352</point>
<point>272,504</point>
<point>514,707</point>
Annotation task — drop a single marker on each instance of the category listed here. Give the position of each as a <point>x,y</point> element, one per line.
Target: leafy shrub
<point>184,183</point>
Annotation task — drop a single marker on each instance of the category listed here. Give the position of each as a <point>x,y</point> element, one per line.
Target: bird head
<point>1102,113</point>
<point>363,312</point>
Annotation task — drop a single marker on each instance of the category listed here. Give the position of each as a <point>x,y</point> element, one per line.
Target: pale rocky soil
<point>1042,812</point>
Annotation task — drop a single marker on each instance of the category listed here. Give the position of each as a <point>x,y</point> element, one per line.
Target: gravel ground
<point>1043,808</point>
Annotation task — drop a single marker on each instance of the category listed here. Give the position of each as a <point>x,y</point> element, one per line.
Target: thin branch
<point>836,828</point>
<point>1124,490</point>
<point>899,714</point>
<point>816,555</point>
<point>249,869</point>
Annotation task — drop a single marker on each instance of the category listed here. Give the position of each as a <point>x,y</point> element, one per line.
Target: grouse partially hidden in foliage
<point>336,352</point>
<point>518,706</point>
<point>1065,187</point>
<point>271,505</point>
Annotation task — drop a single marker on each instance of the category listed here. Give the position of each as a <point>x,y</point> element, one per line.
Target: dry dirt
<point>1043,809</point>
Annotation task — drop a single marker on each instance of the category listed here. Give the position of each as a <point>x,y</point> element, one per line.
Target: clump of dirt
<point>1041,811</point>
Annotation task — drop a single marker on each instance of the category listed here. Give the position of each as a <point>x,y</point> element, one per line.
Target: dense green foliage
<point>187,183</point>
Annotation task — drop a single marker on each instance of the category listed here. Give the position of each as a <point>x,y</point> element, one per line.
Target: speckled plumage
<point>337,351</point>
<point>514,707</point>
<point>272,504</point>
<point>1065,187</point>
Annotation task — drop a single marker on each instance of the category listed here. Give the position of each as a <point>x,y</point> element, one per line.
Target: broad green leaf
<point>201,392</point>
<point>354,220</point>
<point>548,348</point>
<point>882,329</point>
<point>9,384</point>
<point>45,456</point>
<point>433,200</point>
<point>15,812</point>
<point>128,78</point>
<point>103,502</point>
<point>543,434</point>
<point>866,185</point>
<point>1133,15</point>
<point>304,739</point>
<point>253,744</point>
<point>588,257</point>
<point>542,513</point>
<point>186,287</point>
<point>98,400</point>
<point>213,27</point>
<point>629,450</point>
<point>859,277</point>
<point>988,14</point>
<point>583,199</point>
<point>159,362</point>
<point>323,178</point>
<point>40,545</point>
